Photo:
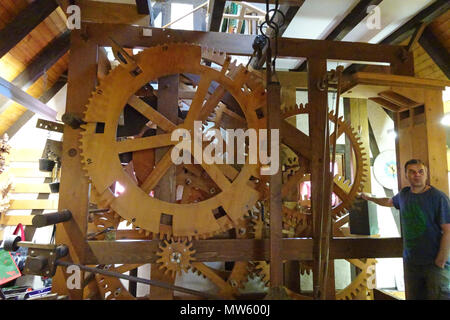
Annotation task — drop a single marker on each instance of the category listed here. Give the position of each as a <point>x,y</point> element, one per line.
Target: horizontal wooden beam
<point>238,44</point>
<point>289,2</point>
<point>101,12</point>
<point>132,36</point>
<point>105,252</point>
<point>24,23</point>
<point>16,94</point>
<point>338,50</point>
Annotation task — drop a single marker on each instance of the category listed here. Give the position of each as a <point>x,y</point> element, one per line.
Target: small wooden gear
<point>175,256</point>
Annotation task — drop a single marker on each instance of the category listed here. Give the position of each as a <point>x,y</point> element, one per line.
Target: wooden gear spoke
<point>292,182</point>
<point>339,191</point>
<point>224,287</point>
<point>151,114</point>
<point>340,132</point>
<point>158,172</point>
<point>199,98</point>
<point>131,145</point>
<point>217,175</point>
<point>126,267</point>
<point>211,103</point>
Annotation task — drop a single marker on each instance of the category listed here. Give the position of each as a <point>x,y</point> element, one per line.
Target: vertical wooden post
<point>291,268</point>
<point>276,236</point>
<point>360,122</point>
<point>166,188</point>
<point>292,275</point>
<point>74,187</point>
<point>320,167</point>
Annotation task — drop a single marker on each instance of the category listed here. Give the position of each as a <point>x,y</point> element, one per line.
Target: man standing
<point>425,220</point>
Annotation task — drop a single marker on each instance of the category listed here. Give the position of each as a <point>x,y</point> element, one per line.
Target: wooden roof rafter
<point>358,14</point>
<point>407,30</point>
<point>431,44</point>
<point>42,62</point>
<point>24,23</point>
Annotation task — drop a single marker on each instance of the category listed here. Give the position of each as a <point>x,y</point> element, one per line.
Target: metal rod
<point>98,210</point>
<point>140,280</point>
<point>187,14</point>
<point>325,245</point>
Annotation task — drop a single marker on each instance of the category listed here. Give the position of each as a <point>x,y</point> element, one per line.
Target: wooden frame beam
<point>82,79</point>
<point>288,2</point>
<point>216,8</point>
<point>24,23</point>
<point>320,172</point>
<point>144,251</point>
<point>143,6</point>
<point>238,44</point>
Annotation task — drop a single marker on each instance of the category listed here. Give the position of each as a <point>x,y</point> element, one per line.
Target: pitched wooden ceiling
<point>15,64</point>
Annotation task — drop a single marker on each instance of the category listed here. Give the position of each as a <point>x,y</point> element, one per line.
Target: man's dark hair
<point>414,161</point>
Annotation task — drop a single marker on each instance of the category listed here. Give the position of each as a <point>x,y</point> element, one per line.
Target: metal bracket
<point>42,258</point>
<point>50,125</point>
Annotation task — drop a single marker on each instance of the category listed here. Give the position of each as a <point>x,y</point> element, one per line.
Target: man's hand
<point>385,202</point>
<point>364,196</point>
<point>440,262</point>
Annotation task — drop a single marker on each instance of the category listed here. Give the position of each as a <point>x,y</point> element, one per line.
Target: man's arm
<point>444,249</point>
<point>385,202</point>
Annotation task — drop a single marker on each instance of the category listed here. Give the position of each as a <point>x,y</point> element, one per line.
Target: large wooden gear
<point>100,149</point>
<point>193,217</point>
<point>344,189</point>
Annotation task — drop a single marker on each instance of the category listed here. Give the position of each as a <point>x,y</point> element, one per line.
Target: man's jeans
<point>427,282</point>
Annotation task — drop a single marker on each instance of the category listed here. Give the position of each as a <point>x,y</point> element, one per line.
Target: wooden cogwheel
<point>345,190</point>
<point>175,256</point>
<point>100,149</point>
